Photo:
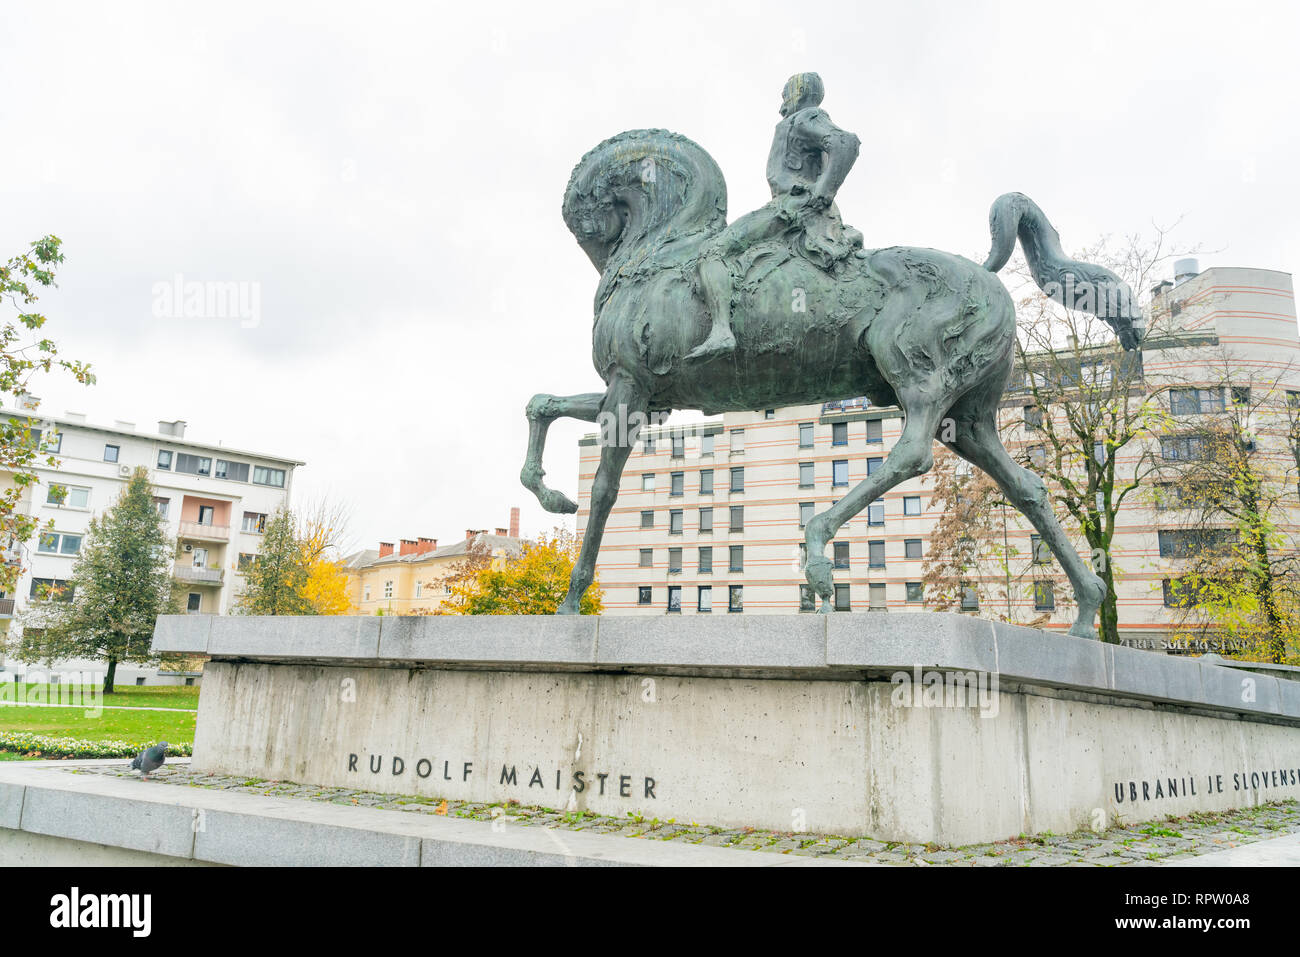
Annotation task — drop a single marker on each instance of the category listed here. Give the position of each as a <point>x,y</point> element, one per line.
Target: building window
<point>679,452</point>
<point>806,475</point>
<point>840,472</point>
<point>1184,543</point>
<point>1042,553</point>
<point>876,554</point>
<point>162,506</point>
<point>769,413</point>
<point>807,598</point>
<point>648,518</point>
<point>194,603</point>
<point>805,435</point>
<point>970,599</point>
<point>842,602</point>
<point>674,561</point>
<point>1181,593</point>
<point>265,476</point>
<point>193,464</point>
<point>1037,456</point>
<point>911,505</point>
<point>674,598</point>
<point>648,482</point>
<point>839,433</point>
<point>873,465</point>
<point>735,598</point>
<point>164,459</point>
<point>1044,600</point>
<point>803,555</point>
<point>912,548</point>
<point>1033,418</point>
<point>51,589</point>
<point>68,496</point>
<point>677,484</point>
<point>736,559</point>
<point>648,445</point>
<point>706,558</point>
<point>247,559</point>
<point>706,481</point>
<point>1183,448</point>
<point>647,559</point>
<point>366,595</point>
<point>806,512</point>
<point>643,595</point>
<point>737,440</point>
<point>419,589</point>
<point>841,552</point>
<point>58,543</point>
<point>704,599</point>
<point>206,514</point>
<point>231,471</point>
<point>875,432</point>
<point>737,479</point>
<point>254,523</point>
<point>876,512</point>
<point>915,592</point>
<point>706,443</point>
<point>1099,452</point>
<point>877,600</point>
<point>111,453</point>
<point>706,519</point>
<point>675,522</point>
<point>388,589</point>
<point>1195,401</point>
<point>737,518</point>
<point>51,441</point>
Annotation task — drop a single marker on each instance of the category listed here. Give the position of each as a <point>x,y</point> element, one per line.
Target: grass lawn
<point>131,696</point>
<point>114,723</point>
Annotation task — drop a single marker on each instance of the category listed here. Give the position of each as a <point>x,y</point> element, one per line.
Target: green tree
<point>22,355</point>
<point>119,586</point>
<point>277,582</point>
<point>533,582</point>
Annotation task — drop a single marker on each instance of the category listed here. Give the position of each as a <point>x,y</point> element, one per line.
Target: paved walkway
<point>1232,838</point>
<point>92,707</point>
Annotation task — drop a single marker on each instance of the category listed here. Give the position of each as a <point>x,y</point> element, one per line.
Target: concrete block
<point>1239,690</point>
<point>252,840</point>
<point>549,639</point>
<point>137,825</point>
<point>723,641</point>
<point>1288,694</point>
<point>1027,654</point>
<point>435,853</point>
<point>1143,674</point>
<point>295,636</point>
<point>182,633</point>
<point>11,804</point>
<point>885,641</point>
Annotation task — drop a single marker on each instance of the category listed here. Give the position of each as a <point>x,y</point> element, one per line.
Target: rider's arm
<point>840,147</point>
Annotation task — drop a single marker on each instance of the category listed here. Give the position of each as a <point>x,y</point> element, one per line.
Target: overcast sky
<point>390,176</point>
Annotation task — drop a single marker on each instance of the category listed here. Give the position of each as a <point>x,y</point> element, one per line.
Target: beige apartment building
<point>410,577</point>
<point>710,515</point>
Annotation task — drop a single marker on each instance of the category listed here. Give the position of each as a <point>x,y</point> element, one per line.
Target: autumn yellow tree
<point>532,582</point>
<point>298,571</point>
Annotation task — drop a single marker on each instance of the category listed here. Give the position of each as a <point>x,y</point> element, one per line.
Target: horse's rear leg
<point>977,441</point>
<point>621,399</point>
<point>542,411</point>
<point>910,457</point>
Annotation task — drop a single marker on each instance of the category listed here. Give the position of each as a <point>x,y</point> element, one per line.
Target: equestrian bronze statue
<point>784,307</point>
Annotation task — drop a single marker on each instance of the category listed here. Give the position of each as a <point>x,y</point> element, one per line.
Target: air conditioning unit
<point>189,548</point>
<point>124,470</point>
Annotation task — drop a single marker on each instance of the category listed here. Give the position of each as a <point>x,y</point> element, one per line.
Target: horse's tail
<point>1076,285</point>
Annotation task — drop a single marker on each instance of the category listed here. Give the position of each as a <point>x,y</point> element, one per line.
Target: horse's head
<point>636,188</point>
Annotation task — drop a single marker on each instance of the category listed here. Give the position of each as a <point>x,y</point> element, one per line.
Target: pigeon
<point>150,760</point>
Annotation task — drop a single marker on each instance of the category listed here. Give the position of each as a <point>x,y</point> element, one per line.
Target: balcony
<point>198,576</point>
<point>205,532</point>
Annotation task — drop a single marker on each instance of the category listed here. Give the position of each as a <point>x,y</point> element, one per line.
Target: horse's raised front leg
<point>542,411</point>
<point>622,399</point>
<point>910,457</point>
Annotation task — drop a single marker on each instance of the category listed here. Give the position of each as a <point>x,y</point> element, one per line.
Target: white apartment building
<point>710,515</point>
<point>215,500</point>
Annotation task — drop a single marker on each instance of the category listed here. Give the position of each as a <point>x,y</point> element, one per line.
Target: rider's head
<point>803,90</point>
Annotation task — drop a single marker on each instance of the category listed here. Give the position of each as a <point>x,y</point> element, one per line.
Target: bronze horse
<point>928,331</point>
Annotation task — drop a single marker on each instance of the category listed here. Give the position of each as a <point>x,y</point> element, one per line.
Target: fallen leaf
<point>441,809</point>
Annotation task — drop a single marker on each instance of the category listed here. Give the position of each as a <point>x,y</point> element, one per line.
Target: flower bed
<point>39,745</point>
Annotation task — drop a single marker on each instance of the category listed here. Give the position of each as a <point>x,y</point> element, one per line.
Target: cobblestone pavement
<point>1132,846</point>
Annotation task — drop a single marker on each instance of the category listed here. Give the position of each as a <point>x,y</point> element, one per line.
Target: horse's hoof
<point>557,502</point>
<point>1080,630</point>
